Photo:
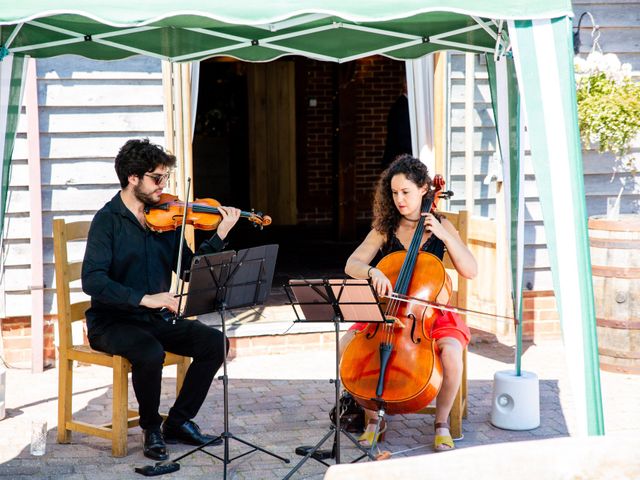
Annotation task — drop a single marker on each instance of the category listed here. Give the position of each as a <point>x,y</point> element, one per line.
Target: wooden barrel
<point>615,265</point>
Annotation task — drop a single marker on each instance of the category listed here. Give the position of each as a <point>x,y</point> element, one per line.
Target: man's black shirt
<point>124,261</point>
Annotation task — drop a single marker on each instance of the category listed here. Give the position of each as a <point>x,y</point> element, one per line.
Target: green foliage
<point>608,112</point>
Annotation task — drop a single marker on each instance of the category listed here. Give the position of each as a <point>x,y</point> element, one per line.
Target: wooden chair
<point>121,417</point>
<point>459,298</point>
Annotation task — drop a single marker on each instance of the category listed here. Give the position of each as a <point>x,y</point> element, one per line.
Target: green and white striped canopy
<point>189,30</point>
<point>534,37</point>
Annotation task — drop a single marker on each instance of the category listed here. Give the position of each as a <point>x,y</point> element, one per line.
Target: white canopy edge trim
<point>284,17</point>
<point>285,53</point>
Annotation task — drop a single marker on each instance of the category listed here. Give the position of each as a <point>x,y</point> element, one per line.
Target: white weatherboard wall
<point>87,110</point>
<point>620,34</point>
<point>619,30</point>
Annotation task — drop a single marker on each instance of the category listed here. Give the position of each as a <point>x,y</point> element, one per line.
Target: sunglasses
<point>158,178</point>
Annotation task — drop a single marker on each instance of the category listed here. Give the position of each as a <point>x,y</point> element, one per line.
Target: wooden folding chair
<point>121,418</point>
<point>459,298</point>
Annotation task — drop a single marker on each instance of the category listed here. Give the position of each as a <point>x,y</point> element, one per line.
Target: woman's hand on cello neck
<point>461,256</point>
<point>433,225</point>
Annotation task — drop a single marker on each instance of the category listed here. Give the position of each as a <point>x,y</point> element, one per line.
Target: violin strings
<point>200,208</point>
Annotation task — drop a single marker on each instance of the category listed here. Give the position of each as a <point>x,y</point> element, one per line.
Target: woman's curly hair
<point>386,216</point>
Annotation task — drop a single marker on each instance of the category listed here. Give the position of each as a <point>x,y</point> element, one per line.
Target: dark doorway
<point>220,142</point>
<point>230,156</point>
<point>220,147</point>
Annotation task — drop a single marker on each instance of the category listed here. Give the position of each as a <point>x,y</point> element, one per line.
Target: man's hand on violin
<point>161,300</point>
<point>230,216</point>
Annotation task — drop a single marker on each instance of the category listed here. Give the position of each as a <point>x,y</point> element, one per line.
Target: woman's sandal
<point>366,439</point>
<point>442,443</point>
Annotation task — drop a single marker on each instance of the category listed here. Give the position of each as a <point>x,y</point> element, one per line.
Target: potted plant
<point>608,105</point>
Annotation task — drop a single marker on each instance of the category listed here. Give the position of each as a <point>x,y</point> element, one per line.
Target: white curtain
<point>420,96</point>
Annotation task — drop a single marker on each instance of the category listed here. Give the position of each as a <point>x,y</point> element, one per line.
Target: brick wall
<point>377,83</point>
<point>317,110</point>
<point>16,340</point>
<point>540,319</point>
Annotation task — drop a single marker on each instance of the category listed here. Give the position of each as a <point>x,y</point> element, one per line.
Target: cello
<point>394,365</point>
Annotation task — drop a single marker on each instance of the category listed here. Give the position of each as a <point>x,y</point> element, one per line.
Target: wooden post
<point>468,129</point>
<point>187,151</point>
<point>169,112</point>
<point>35,215</point>
<point>439,110</point>
<point>176,80</point>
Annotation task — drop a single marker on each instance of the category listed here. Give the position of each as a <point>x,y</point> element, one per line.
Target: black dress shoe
<point>153,445</point>
<point>188,433</point>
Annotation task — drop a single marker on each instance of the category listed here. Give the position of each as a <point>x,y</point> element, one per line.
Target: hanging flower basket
<point>608,105</point>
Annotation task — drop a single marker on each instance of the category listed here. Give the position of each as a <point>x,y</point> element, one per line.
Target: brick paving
<point>280,401</point>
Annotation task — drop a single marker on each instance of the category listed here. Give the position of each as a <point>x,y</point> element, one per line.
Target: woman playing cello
<point>397,211</point>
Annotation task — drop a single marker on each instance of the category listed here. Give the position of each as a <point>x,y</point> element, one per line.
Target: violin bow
<point>182,239</point>
<point>448,308</point>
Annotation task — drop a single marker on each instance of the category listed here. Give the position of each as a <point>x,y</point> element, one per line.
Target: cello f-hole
<point>370,335</point>
<point>414,321</point>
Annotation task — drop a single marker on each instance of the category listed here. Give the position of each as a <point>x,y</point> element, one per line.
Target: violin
<point>203,214</point>
<point>394,365</point>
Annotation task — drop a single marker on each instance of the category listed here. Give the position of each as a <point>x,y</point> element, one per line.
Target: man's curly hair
<point>137,157</point>
<point>386,216</point>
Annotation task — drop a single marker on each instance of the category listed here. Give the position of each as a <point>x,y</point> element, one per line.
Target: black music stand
<point>219,282</point>
<point>337,301</point>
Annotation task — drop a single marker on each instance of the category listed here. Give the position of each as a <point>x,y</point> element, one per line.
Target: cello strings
<point>404,277</point>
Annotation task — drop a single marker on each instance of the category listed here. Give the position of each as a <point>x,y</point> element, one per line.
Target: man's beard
<point>146,198</point>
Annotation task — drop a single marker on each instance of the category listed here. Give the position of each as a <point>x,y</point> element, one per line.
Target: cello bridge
<point>395,322</point>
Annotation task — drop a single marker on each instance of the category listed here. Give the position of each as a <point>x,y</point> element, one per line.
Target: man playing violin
<point>397,212</point>
<point>127,272</point>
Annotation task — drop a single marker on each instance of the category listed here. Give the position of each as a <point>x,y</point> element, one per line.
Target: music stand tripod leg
<point>222,275</point>
<point>336,428</point>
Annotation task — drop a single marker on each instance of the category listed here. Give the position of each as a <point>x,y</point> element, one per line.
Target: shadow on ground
<point>277,415</point>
